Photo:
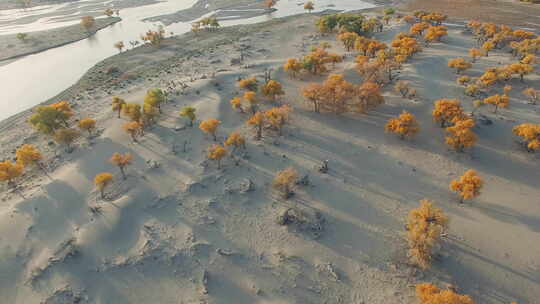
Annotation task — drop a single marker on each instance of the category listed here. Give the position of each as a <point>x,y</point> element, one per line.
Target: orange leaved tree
<point>292,67</point>
<point>430,294</point>
<point>210,126</point>
<point>28,155</point>
<point>277,117</point>
<point>497,101</point>
<point>87,124</point>
<point>248,84</point>
<point>9,172</point>
<point>236,104</point>
<point>446,110</point>
<point>251,98</point>
<point>134,129</point>
<point>122,161</point>
<point>102,180</point>
<point>217,152</point>
<point>284,182</point>
<point>532,94</point>
<point>460,135</point>
<point>467,186</point>
<point>314,94</point>
<point>405,125</point>
<point>236,140</point>
<point>459,64</point>
<point>530,135</point>
<point>257,120</point>
<point>425,225</point>
<point>272,89</point>
<point>475,53</point>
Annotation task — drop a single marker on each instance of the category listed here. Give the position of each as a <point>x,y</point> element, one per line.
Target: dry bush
<point>284,182</point>
<point>430,294</point>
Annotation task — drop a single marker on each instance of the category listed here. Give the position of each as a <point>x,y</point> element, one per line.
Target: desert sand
<point>179,230</point>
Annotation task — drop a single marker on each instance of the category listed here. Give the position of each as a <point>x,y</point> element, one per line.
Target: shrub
<point>405,125</point>
<point>430,294</point>
<point>467,186</point>
<point>530,134</point>
<point>9,172</point>
<point>284,181</point>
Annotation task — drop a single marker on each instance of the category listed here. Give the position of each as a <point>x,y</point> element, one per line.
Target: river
<point>33,79</point>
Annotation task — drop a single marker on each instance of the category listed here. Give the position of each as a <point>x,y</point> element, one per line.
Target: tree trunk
<point>259,132</point>
<point>40,166</point>
<point>122,171</point>
<point>191,123</point>
<point>102,191</point>
<point>119,109</point>
<point>219,163</point>
<point>214,135</point>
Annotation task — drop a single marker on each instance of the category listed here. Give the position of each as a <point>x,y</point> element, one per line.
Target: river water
<point>30,80</point>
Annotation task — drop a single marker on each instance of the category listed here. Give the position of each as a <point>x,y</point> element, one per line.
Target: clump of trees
<point>467,186</point>
<point>189,113</point>
<point>425,225</point>
<point>257,121</point>
<point>344,22</point>
<point>405,125</point>
<point>210,126</point>
<point>529,134</point>
<point>208,23</point>
<point>102,180</point>
<point>154,37</point>
<point>49,118</point>
<point>430,294</point>
<point>236,140</point>
<point>122,161</point>
<point>285,181</point>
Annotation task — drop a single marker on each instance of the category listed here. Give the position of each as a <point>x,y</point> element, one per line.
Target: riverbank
<point>12,47</point>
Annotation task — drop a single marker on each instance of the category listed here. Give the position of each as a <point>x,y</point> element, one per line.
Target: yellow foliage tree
<point>348,39</point>
<point>463,80</point>
<point>497,101</point>
<point>309,6</point>
<point>425,225</point>
<point>189,113</point>
<point>88,22</point>
<point>530,134</point>
<point>521,69</point>
<point>314,94</point>
<point>284,181</point>
<point>210,126</point>
<point>467,186</point>
<point>446,110</point>
<point>118,104</point>
<point>488,46</point>
<point>29,155</point>
<point>236,104</point>
<point>277,117</point>
<point>154,37</point>
<point>532,94</point>
<point>66,136</point>
<point>459,64</point>
<point>405,125</point>
<point>122,161</point>
<point>133,111</point>
<point>257,120</point>
<point>248,84</point>
<point>460,135</point>
<point>133,128</point>
<point>251,98</point>
<point>87,124</point>
<point>102,180</point>
<point>430,294</point>
<point>475,53</point>
<point>9,172</point>
<point>272,89</point>
<point>236,140</point>
<point>155,97</point>
<point>217,152</point>
<point>292,67</point>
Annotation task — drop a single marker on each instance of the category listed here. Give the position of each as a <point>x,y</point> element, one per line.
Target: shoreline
<point>44,40</point>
